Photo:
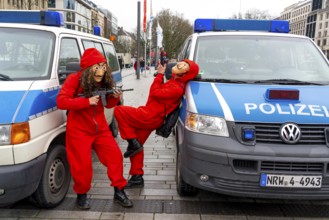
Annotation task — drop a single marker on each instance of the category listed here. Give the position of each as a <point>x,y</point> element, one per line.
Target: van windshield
<point>25,54</point>
<point>260,58</point>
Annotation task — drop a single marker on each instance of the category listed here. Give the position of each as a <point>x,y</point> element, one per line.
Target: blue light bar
<point>276,26</point>
<point>49,18</point>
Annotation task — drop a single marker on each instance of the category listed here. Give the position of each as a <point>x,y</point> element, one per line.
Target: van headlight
<point>15,134</point>
<point>206,124</point>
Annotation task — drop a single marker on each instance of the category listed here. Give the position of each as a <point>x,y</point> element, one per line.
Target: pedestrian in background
<point>87,128</point>
<point>136,124</point>
<point>141,65</point>
<point>120,62</point>
<point>163,56</point>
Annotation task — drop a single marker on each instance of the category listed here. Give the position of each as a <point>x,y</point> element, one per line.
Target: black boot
<point>83,201</point>
<point>121,198</point>
<point>136,181</point>
<point>133,148</point>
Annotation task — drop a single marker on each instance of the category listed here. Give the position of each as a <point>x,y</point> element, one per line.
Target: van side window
<point>69,58</point>
<point>92,44</point>
<point>109,52</point>
<point>185,50</point>
<point>188,49</point>
<point>111,57</point>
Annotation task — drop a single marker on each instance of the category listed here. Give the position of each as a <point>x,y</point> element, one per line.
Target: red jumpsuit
<point>141,121</point>
<point>87,129</point>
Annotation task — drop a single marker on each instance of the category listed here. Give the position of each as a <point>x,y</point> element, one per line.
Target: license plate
<point>270,180</point>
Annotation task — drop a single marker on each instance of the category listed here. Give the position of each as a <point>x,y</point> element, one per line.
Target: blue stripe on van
<point>9,101</point>
<point>35,104</point>
<point>117,77</point>
<point>205,99</point>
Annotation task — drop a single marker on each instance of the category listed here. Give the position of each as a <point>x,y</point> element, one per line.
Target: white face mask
<point>181,68</point>
<point>98,71</point>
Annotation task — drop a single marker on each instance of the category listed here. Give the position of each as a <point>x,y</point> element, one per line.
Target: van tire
<point>114,127</point>
<point>52,191</point>
<point>183,188</point>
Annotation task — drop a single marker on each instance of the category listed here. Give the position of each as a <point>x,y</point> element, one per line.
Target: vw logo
<point>290,133</point>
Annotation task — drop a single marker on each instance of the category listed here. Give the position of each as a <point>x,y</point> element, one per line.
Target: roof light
<point>278,26</point>
<point>97,31</point>
<point>282,94</point>
<point>49,18</point>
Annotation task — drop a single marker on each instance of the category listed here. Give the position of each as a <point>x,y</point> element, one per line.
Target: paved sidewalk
<point>158,200</point>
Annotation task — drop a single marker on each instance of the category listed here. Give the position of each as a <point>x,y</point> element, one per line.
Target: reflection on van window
<point>26,54</point>
<point>69,53</point>
<point>111,57</point>
<point>260,58</point>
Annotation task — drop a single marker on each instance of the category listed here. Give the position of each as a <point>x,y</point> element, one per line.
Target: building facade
<point>310,18</point>
<point>80,15</point>
<point>24,4</point>
<point>320,14</point>
<point>297,15</point>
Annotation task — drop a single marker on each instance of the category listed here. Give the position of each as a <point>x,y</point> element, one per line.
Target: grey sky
<point>126,10</point>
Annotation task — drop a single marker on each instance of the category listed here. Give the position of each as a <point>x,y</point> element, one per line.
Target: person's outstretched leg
<point>128,119</point>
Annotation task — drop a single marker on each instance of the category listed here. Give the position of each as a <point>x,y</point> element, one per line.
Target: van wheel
<point>114,127</point>
<point>183,189</point>
<point>55,180</point>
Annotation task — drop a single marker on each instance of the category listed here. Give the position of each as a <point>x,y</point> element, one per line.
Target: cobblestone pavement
<point>158,200</point>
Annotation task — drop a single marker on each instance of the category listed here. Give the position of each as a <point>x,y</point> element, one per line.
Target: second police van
<point>35,60</point>
<point>255,123</point>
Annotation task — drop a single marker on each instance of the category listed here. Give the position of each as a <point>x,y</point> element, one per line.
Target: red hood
<point>90,57</point>
<point>191,74</point>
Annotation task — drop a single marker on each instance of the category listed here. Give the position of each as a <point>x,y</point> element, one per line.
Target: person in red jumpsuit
<point>87,128</point>
<point>136,124</point>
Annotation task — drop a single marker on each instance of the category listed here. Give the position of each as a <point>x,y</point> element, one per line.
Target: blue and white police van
<point>35,60</point>
<point>255,123</point>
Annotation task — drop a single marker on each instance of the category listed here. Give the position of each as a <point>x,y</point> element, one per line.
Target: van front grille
<point>270,133</point>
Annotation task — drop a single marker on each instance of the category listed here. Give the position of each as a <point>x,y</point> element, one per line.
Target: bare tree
<point>257,14</point>
<point>237,16</point>
<point>254,14</point>
<point>123,44</point>
<point>175,30</point>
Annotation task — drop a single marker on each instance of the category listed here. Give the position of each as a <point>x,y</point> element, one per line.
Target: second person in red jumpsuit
<point>136,124</point>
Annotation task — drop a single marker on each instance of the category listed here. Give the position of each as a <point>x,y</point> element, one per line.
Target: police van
<point>35,60</point>
<point>255,123</point>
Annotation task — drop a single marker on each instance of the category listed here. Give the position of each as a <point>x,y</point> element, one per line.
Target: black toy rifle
<point>104,92</point>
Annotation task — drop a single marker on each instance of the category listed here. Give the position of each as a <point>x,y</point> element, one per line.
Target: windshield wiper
<point>286,82</point>
<point>5,77</point>
<point>224,81</point>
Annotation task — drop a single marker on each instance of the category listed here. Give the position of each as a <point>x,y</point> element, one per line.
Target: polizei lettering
<point>288,109</point>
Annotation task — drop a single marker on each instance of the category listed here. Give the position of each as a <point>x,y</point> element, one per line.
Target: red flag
<point>144,20</point>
